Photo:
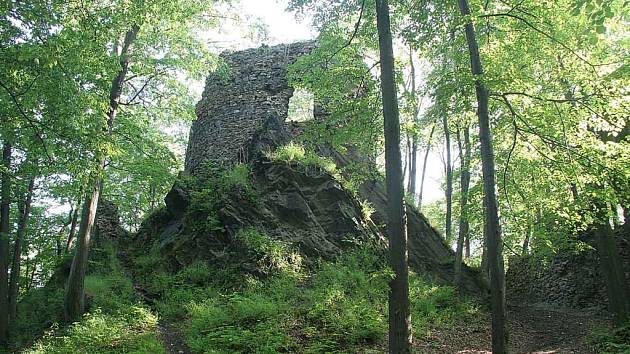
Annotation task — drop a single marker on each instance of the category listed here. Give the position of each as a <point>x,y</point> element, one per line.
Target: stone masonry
<point>236,112</point>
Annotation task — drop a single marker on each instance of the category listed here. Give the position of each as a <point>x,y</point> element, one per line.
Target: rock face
<point>428,251</point>
<point>234,111</point>
<point>305,207</point>
<point>569,279</point>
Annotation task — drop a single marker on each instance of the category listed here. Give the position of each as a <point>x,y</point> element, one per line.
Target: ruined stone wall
<point>236,111</point>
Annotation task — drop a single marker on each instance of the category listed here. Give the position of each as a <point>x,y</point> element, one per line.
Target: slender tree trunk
<point>73,226</point>
<point>399,308</point>
<point>449,182</point>
<point>74,299</point>
<point>5,223</point>
<point>14,282</point>
<point>528,236</point>
<point>492,224</point>
<point>31,278</point>
<point>407,164</point>
<point>464,227</point>
<point>413,155</point>
<point>424,166</point>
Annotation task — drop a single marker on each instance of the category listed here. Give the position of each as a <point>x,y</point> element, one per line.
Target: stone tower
<point>238,115</point>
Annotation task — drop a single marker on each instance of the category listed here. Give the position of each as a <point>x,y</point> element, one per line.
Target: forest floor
<point>533,329</point>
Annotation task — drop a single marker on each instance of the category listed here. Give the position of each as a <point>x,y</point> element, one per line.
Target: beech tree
<point>491,207</point>
<point>399,308</point>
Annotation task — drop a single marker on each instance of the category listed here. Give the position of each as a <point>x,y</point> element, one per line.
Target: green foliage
<point>133,331</point>
<point>295,152</point>
<point>272,255</point>
<point>336,306</point>
<point>615,341</point>
<point>435,306</point>
<point>111,292</point>
<point>37,311</point>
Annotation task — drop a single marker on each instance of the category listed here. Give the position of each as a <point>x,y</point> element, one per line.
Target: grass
<point>335,307</point>
<point>616,341</point>
<point>132,331</point>
<point>115,322</point>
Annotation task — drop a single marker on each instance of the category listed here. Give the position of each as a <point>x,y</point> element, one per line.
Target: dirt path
<point>172,339</point>
<point>532,330</point>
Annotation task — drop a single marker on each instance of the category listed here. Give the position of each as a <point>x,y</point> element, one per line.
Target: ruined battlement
<point>236,112</point>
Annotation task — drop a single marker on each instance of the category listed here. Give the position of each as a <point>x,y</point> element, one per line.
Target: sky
<point>283,27</point>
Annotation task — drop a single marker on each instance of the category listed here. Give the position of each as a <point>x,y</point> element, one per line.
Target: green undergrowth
<point>615,341</point>
<point>332,307</point>
<point>115,321</point>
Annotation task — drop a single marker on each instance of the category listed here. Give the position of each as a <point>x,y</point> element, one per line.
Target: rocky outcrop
<point>239,118</point>
<point>428,251</point>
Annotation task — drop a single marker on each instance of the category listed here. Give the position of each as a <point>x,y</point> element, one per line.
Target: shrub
<point>110,292</point>
<point>271,255</point>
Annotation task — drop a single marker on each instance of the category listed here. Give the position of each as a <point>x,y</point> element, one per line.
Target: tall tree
<point>464,225</point>
<point>74,217</point>
<point>399,307</point>
<point>5,202</point>
<point>424,165</point>
<point>492,225</point>
<point>413,147</point>
<point>14,282</point>
<point>449,181</point>
<point>74,299</point>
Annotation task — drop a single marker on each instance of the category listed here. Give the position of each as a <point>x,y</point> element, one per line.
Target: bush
<point>433,305</point>
<point>110,292</point>
<point>271,255</point>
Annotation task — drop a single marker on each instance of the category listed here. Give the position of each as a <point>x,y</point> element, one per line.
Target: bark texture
<point>399,309</point>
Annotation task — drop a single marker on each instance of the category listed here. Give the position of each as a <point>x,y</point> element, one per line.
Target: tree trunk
<point>14,282</point>
<point>614,277</point>
<point>399,308</point>
<point>5,223</point>
<point>74,299</point>
<point>449,183</point>
<point>464,226</point>
<point>528,237</point>
<point>31,277</point>
<point>424,166</point>
<point>492,224</point>
<point>413,155</point>
<point>73,226</point>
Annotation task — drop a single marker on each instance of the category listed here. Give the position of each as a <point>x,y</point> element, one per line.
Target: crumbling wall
<point>568,279</point>
<point>236,113</point>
